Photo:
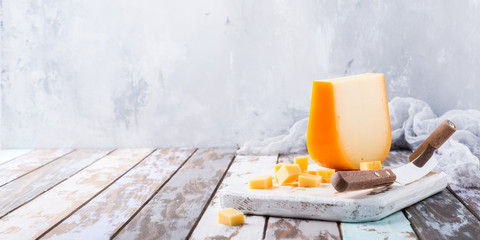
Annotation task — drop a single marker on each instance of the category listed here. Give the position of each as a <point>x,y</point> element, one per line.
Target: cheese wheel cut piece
<point>349,121</point>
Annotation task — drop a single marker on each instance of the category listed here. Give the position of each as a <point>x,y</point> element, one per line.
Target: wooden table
<point>171,194</point>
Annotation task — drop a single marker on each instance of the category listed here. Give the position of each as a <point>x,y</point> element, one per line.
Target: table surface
<point>147,193</point>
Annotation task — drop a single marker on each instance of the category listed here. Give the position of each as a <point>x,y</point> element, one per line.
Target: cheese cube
<point>349,121</point>
<point>370,165</point>
<point>308,180</point>
<point>310,172</point>
<point>302,162</point>
<point>326,174</point>
<point>261,182</point>
<point>288,173</point>
<point>275,169</point>
<point>230,216</point>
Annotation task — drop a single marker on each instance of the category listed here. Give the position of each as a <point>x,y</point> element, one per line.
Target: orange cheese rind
<point>349,121</point>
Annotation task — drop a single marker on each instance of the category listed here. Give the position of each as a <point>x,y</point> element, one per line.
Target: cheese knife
<point>422,162</point>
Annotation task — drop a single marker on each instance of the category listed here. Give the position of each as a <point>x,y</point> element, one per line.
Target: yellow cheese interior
<point>349,121</point>
<point>302,162</point>
<point>375,165</point>
<point>288,173</point>
<point>308,180</point>
<point>275,169</point>
<point>230,216</point>
<point>261,182</point>
<point>326,174</point>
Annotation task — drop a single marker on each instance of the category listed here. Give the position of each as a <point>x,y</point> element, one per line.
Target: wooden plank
<point>395,226</point>
<point>291,228</point>
<point>59,202</point>
<point>27,187</point>
<point>242,169</point>
<point>28,162</point>
<point>107,212</point>
<point>281,228</point>
<point>443,216</point>
<point>172,212</point>
<point>9,154</point>
<point>470,197</point>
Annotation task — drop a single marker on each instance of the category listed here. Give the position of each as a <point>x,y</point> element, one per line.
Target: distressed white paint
<point>325,203</point>
<point>28,162</point>
<point>106,213</point>
<point>9,154</point>
<point>173,211</point>
<point>32,184</point>
<point>203,73</point>
<point>59,202</point>
<point>253,228</point>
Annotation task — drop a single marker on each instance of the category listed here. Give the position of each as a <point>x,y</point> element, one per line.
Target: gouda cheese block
<point>302,162</point>
<point>261,182</point>
<point>349,121</point>
<point>230,216</point>
<point>370,165</point>
<point>288,173</point>
<point>326,174</point>
<point>308,180</point>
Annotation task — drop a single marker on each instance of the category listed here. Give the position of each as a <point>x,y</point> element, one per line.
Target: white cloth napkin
<point>412,120</point>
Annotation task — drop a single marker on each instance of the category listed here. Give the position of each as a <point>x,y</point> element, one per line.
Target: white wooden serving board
<point>324,202</point>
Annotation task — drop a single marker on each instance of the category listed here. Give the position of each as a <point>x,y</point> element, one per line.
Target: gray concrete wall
<point>216,73</point>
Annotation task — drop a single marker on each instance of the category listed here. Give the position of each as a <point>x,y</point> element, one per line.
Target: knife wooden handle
<point>356,180</point>
<point>436,138</point>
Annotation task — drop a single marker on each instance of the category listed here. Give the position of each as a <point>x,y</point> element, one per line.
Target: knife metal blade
<point>415,170</point>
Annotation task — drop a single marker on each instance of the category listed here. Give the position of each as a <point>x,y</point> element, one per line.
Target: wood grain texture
<point>28,162</point>
<point>290,228</point>
<point>108,211</point>
<point>395,226</point>
<point>240,171</point>
<point>442,216</point>
<point>470,197</point>
<point>27,187</point>
<point>59,202</point>
<point>172,212</point>
<point>9,154</point>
